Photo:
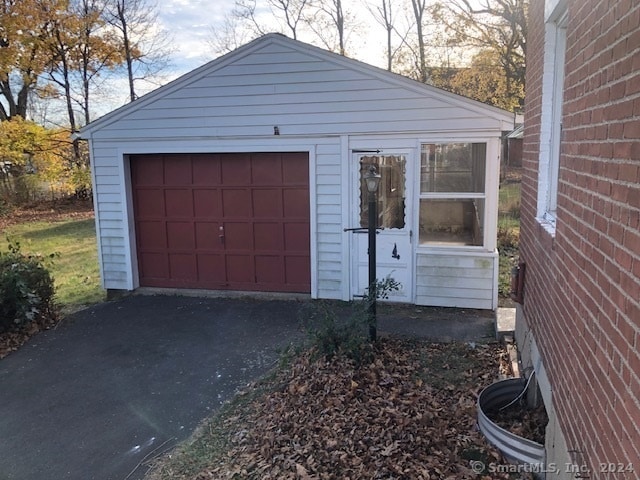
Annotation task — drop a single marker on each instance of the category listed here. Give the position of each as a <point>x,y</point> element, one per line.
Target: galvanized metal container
<point>514,448</point>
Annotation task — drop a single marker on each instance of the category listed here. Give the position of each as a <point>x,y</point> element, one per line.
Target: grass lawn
<point>75,270</point>
<point>509,205</point>
<point>508,236</point>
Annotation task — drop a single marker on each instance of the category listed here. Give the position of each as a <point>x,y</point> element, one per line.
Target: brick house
<point>578,326</point>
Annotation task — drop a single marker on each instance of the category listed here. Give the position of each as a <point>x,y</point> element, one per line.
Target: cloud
<point>189,23</point>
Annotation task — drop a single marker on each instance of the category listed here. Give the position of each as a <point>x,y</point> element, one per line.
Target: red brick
<point>624,259</point>
<point>632,129</point>
<point>636,267</point>
<point>628,172</point>
<point>633,84</point>
<point>589,283</point>
<point>620,193</point>
<point>631,240</point>
<point>622,150</point>
<point>617,91</point>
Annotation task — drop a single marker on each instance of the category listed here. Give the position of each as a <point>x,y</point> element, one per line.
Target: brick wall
<point>582,292</point>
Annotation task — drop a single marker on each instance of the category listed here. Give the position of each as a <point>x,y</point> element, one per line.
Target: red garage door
<point>223,221</point>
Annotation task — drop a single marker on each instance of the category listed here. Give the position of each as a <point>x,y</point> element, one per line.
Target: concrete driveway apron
<point>122,380</point>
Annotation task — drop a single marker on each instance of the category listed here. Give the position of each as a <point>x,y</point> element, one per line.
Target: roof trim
<point>277,38</point>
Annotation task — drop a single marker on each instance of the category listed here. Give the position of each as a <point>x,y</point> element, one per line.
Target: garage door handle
<point>221,235</point>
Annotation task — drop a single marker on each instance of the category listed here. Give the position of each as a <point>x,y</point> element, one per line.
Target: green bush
<point>26,289</point>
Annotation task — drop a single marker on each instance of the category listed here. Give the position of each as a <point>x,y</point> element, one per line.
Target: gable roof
<point>281,41</point>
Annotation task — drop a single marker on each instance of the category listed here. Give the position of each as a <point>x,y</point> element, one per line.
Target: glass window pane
<point>391,191</point>
<point>452,221</point>
<point>453,167</point>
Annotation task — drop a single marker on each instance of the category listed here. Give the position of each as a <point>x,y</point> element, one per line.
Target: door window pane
<point>391,192</point>
<point>452,167</point>
<point>452,221</point>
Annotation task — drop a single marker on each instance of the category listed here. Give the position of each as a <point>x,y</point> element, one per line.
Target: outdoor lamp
<point>372,179</point>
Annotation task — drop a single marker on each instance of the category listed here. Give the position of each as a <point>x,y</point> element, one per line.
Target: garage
<point>246,175</point>
<point>234,221</point>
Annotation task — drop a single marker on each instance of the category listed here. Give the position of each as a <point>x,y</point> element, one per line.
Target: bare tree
<point>331,23</point>
<point>419,8</point>
<point>146,47</point>
<point>288,14</point>
<point>228,36</point>
<point>384,13</point>
<point>293,12</point>
<point>246,12</point>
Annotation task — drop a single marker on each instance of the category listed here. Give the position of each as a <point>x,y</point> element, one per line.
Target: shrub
<point>332,333</point>
<point>26,289</point>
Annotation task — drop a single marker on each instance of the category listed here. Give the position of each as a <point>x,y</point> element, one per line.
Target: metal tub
<point>514,448</point>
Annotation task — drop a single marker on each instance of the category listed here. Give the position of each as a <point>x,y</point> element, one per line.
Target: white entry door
<point>394,253</point>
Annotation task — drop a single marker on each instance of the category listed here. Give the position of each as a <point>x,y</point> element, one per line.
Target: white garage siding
<point>318,100</point>
<point>329,220</point>
<point>455,280</point>
<point>269,83</point>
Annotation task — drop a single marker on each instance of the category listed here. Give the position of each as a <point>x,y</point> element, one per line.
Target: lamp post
<point>372,179</point>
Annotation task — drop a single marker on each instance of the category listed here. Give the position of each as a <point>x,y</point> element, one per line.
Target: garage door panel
<point>257,202</point>
<point>183,268</point>
<point>298,271</point>
<point>206,203</point>
<point>180,236</point>
<point>150,203</point>
<point>240,269</point>
<point>211,270</point>
<point>267,170</point>
<point>295,168</point>
<point>296,202</point>
<point>147,170</point>
<point>179,203</point>
<point>237,170</point>
<point>236,203</point>
<point>267,203</point>
<point>154,265</point>
<point>152,234</point>
<point>267,237</point>
<point>177,170</point>
<point>238,236</point>
<point>269,270</point>
<point>296,237</point>
<point>208,236</point>
<point>206,170</point>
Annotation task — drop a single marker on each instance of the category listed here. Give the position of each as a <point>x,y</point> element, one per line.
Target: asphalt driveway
<point>125,380</point>
<point>111,384</point>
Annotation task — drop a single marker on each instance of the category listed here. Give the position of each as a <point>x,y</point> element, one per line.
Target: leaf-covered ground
<point>408,414</point>
<point>13,340</point>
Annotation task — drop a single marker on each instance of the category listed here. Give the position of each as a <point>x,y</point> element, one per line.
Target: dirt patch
<point>50,211</point>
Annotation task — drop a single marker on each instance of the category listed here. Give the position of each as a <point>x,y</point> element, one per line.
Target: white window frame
<point>551,115</point>
<point>454,196</point>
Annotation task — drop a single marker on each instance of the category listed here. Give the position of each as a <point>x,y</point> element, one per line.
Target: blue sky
<point>190,23</point>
